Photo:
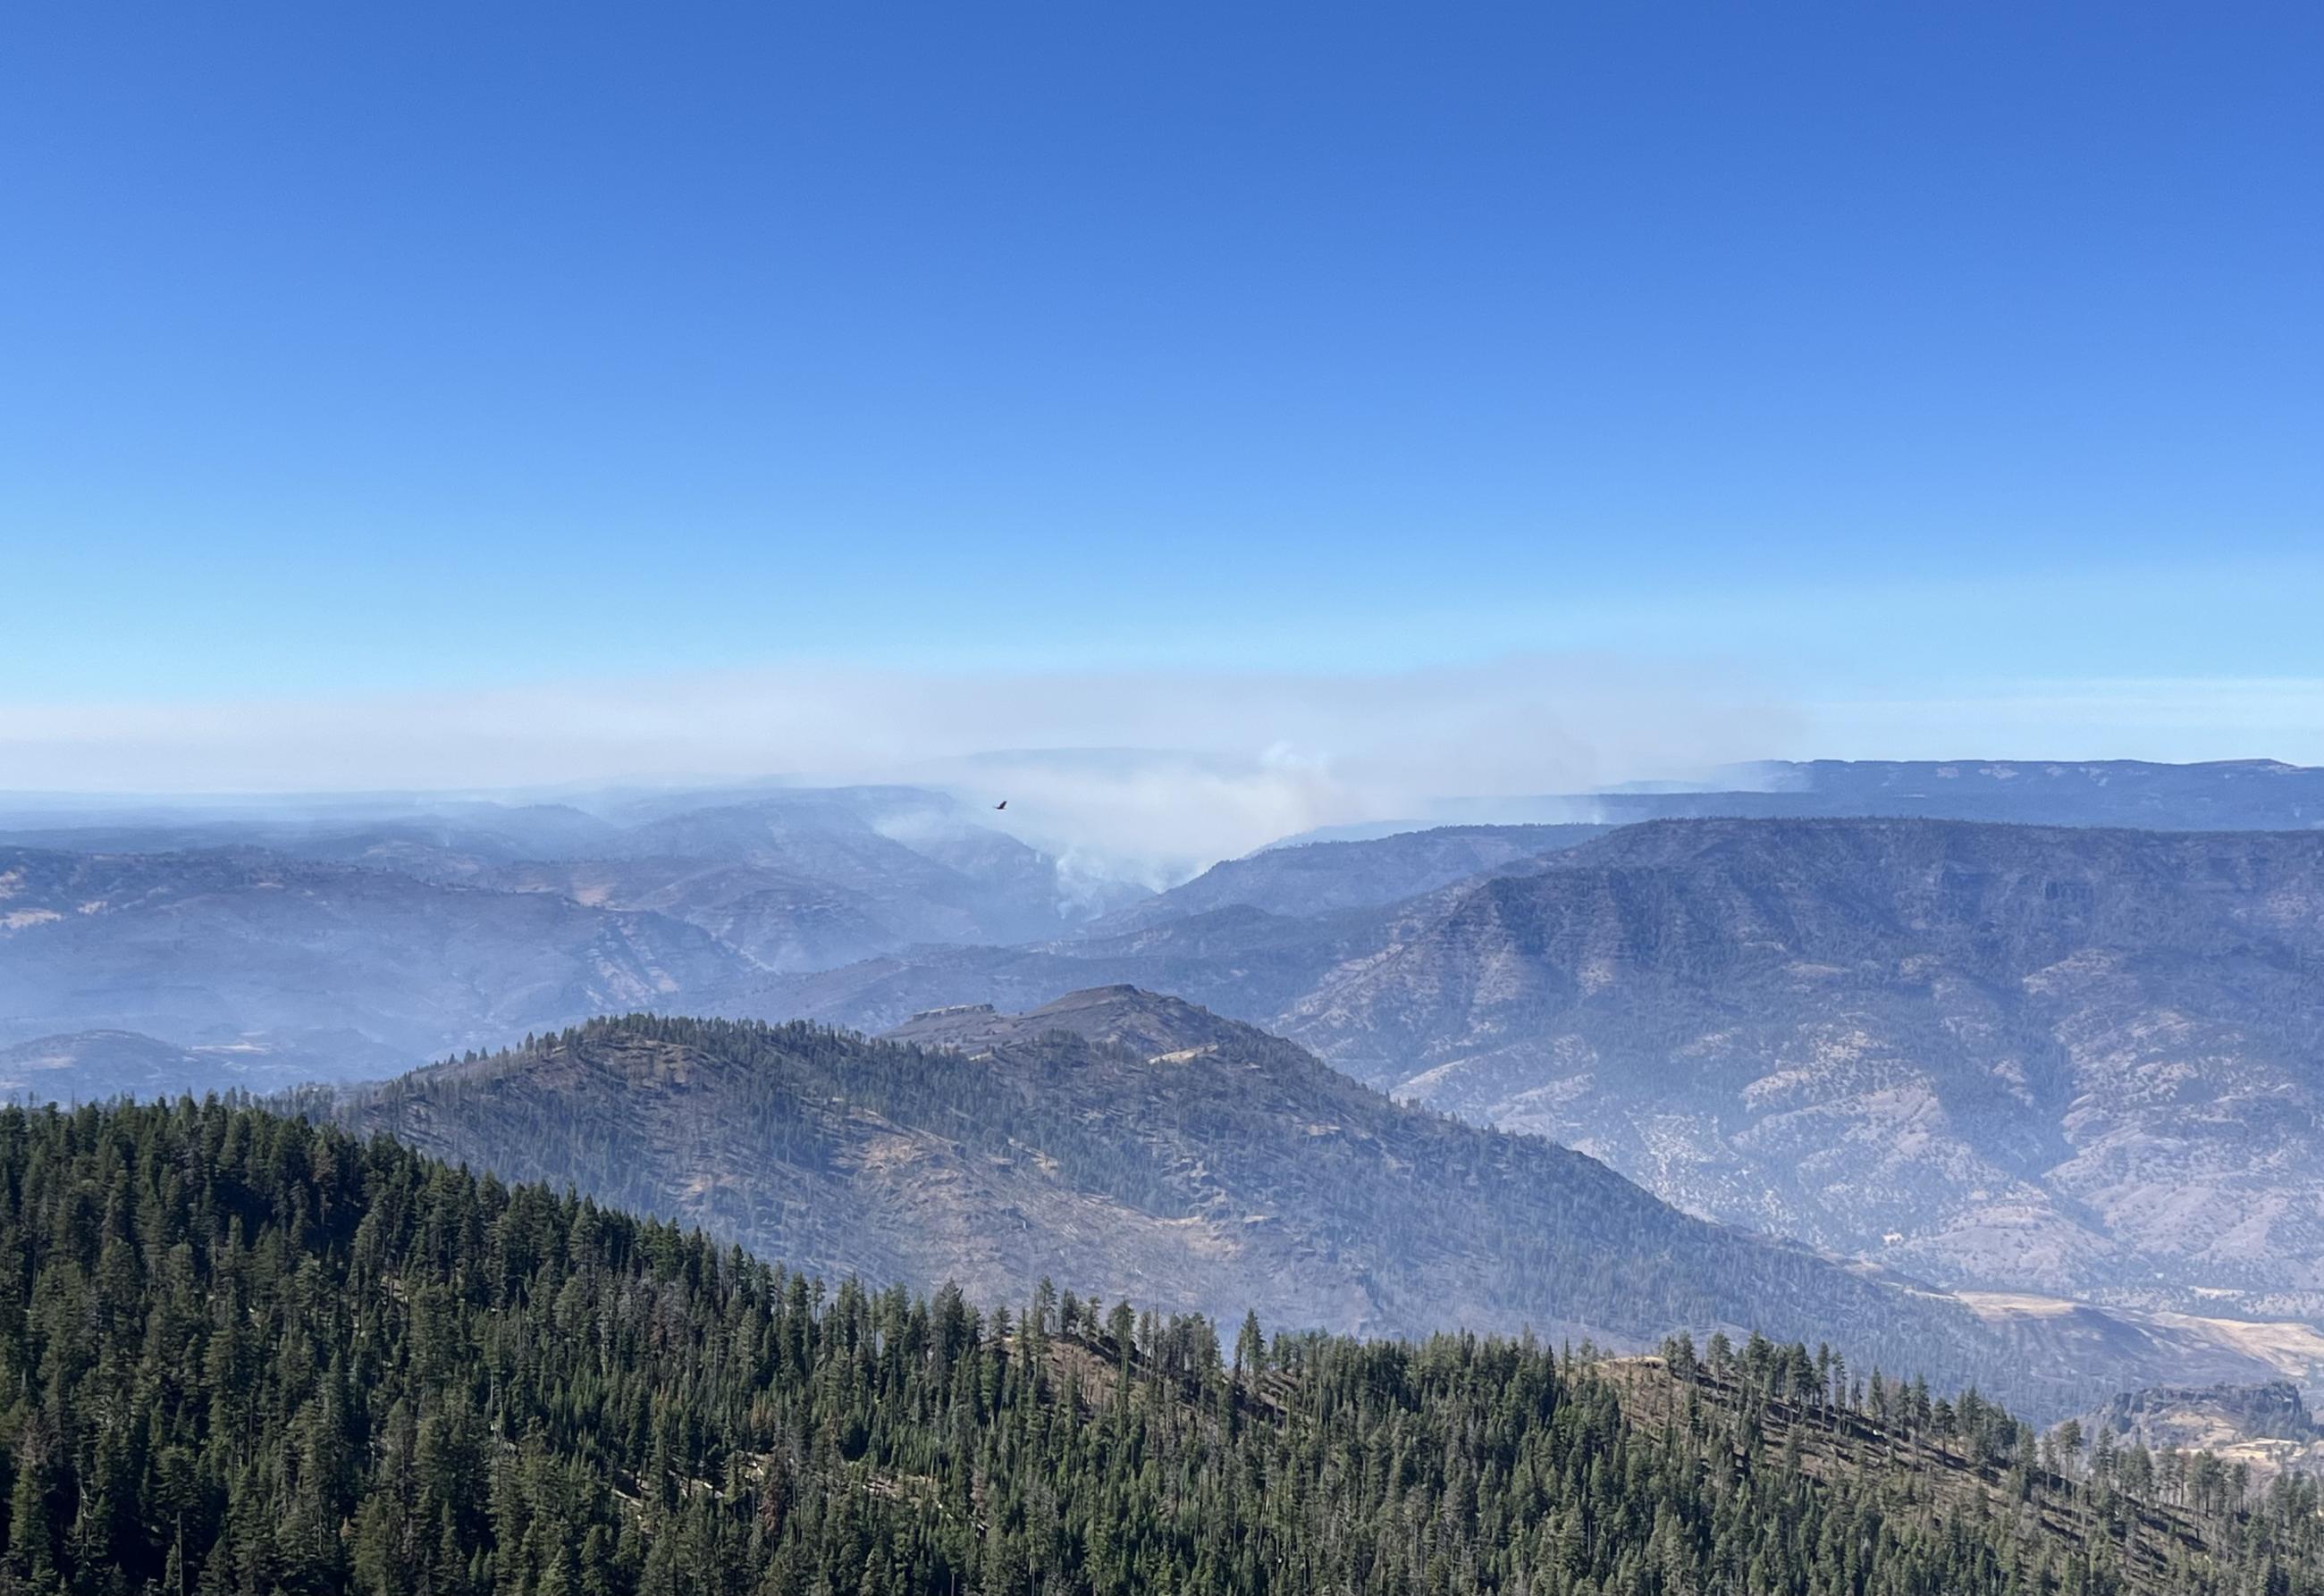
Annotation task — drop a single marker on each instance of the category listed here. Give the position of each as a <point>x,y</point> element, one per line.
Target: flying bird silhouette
<point>1002,804</point>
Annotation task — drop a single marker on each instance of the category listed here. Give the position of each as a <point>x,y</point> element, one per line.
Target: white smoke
<point>1146,775</point>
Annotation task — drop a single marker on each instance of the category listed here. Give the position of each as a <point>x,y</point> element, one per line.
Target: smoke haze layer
<point>1142,774</point>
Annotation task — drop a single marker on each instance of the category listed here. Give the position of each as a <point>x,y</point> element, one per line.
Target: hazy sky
<point>1940,379</point>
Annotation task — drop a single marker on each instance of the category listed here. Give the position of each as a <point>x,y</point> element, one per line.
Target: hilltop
<point>1133,1146</point>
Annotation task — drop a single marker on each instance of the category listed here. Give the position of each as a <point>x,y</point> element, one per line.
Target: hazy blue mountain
<point>90,1066</point>
<point>2236,794</point>
<point>355,970</point>
<point>362,937</point>
<point>1240,960</point>
<point>771,918</point>
<point>440,837</point>
<point>914,867</point>
<point>921,856</point>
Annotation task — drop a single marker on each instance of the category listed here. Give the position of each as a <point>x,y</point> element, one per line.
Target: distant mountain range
<point>2028,1058</point>
<point>1997,1055</point>
<point>359,943</point>
<point>349,970</point>
<point>358,936</point>
<point>1127,1144</point>
<point>2232,794</point>
<point>2223,795</point>
<point>90,1066</point>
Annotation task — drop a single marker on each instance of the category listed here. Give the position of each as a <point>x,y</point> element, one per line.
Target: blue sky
<point>1895,360</point>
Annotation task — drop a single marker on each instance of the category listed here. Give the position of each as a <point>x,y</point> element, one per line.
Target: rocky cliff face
<point>2193,1415</point>
<point>2267,1427</point>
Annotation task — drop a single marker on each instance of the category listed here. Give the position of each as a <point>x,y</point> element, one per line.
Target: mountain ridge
<point>1134,1144</point>
<point>1199,1162</point>
<point>2018,1057</point>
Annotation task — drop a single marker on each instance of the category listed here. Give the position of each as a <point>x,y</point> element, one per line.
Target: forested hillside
<point>1136,1146</point>
<point>241,1352</point>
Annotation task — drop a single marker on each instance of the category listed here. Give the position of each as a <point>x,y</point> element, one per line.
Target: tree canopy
<point>240,1352</point>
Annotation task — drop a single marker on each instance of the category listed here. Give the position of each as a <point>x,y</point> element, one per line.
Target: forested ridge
<point>1209,1167</point>
<point>240,1352</point>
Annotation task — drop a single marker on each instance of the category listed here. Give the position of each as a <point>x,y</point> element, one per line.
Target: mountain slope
<point>1994,1054</point>
<point>2027,1059</point>
<point>1128,1144</point>
<point>912,864</point>
<point>771,919</point>
<point>1132,1145</point>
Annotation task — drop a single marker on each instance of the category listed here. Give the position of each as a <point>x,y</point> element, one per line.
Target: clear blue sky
<point>347,349</point>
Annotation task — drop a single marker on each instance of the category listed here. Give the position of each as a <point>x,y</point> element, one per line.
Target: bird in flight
<point>1002,804</point>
